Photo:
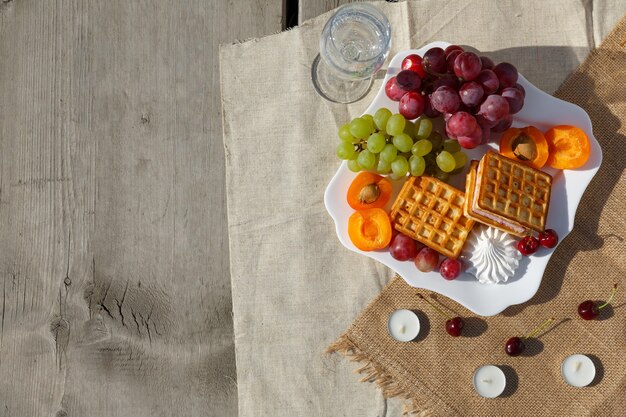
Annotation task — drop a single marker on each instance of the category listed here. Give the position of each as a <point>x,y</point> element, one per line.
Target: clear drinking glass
<point>353,46</point>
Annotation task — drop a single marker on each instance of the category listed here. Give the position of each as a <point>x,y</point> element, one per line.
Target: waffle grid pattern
<point>515,191</point>
<point>470,189</point>
<point>431,212</point>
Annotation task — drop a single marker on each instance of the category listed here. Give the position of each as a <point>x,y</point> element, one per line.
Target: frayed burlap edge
<point>373,372</point>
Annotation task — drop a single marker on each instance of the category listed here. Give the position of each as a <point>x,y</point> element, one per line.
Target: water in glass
<point>353,46</point>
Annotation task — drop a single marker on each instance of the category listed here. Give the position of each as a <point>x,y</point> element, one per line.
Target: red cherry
<point>454,326</point>
<point>514,346</point>
<point>548,238</point>
<point>413,63</point>
<point>528,245</point>
<point>589,311</point>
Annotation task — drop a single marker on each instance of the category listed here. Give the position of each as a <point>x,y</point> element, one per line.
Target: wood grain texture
<point>308,9</point>
<point>114,268</point>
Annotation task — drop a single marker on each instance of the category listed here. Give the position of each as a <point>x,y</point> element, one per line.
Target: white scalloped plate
<point>540,110</point>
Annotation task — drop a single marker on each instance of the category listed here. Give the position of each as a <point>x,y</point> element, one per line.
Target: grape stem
<point>538,329</point>
<point>440,311</point>
<point>613,291</point>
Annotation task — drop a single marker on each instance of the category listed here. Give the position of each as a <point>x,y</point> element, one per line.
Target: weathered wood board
<point>114,254</point>
<point>308,9</point>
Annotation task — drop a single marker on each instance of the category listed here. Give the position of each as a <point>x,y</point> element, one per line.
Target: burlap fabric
<point>435,372</point>
<point>295,288</point>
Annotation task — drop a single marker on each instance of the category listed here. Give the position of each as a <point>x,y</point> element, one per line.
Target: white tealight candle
<point>489,381</point>
<point>578,370</point>
<point>403,325</point>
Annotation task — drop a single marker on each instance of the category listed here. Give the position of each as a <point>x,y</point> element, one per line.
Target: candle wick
<point>402,329</point>
<point>578,366</point>
<point>488,381</point>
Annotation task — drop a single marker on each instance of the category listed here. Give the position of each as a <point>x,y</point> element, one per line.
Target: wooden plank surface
<point>308,9</point>
<point>113,246</point>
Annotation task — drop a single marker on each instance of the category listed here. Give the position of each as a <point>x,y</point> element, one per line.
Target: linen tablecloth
<point>295,288</point>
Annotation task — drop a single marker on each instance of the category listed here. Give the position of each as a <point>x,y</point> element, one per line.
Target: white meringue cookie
<point>491,254</point>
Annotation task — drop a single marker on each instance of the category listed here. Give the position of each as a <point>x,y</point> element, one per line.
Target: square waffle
<point>511,190</point>
<point>431,212</point>
<point>508,226</point>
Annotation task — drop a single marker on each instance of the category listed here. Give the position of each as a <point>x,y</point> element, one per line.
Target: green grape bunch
<point>389,144</point>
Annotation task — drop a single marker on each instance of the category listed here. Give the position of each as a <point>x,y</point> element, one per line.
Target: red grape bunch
<point>474,96</point>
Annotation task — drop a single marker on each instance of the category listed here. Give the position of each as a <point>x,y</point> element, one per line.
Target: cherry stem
<point>441,304</point>
<point>440,311</point>
<point>538,329</point>
<point>613,291</point>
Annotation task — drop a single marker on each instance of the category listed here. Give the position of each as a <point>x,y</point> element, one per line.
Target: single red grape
<point>450,269</point>
<point>503,124</point>
<point>427,259</point>
<point>412,105</point>
<point>450,58</point>
<point>471,93</point>
<point>485,126</point>
<point>515,98</point>
<point>413,62</point>
<point>482,122</point>
<point>507,74</point>
<point>408,80</point>
<point>461,124</point>
<point>449,134</point>
<point>473,140</point>
<point>393,90</point>
<point>486,62</point>
<point>434,61</point>
<point>445,99</point>
<point>453,48</point>
<point>467,66</point>
<point>494,108</point>
<point>489,80</point>
<point>402,247</point>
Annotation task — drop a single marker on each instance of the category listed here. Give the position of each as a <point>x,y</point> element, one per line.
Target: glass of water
<point>353,46</point>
